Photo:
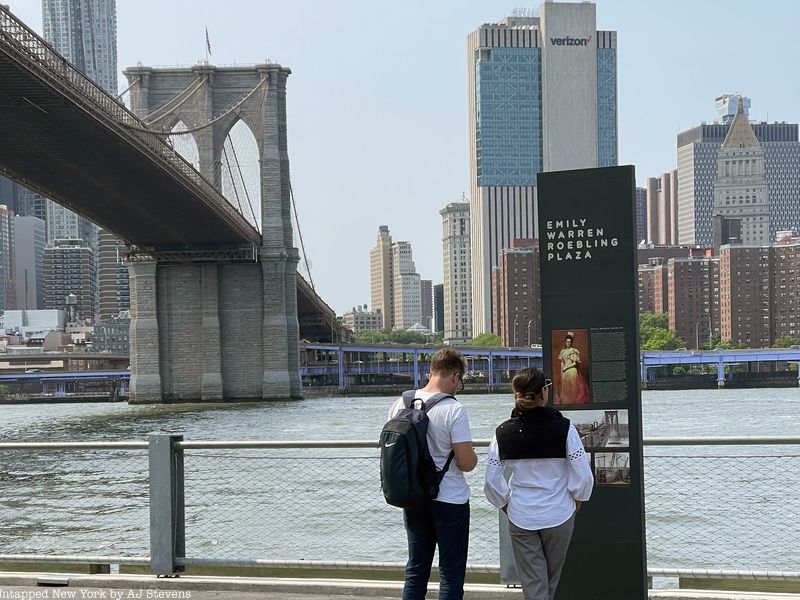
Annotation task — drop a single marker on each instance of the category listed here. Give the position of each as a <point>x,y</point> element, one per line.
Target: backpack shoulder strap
<point>435,399</point>
<point>408,398</point>
<point>440,474</point>
<point>432,401</point>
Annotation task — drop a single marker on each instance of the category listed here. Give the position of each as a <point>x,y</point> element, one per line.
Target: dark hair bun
<point>528,382</point>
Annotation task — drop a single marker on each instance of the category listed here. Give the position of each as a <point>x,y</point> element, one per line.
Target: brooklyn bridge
<point>216,301</point>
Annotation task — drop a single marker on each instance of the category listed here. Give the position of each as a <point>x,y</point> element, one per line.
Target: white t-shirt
<point>448,425</point>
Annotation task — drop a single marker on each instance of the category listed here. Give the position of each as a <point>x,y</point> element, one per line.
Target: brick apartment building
<point>693,298</point>
<point>760,293</point>
<point>749,295</point>
<point>516,294</point>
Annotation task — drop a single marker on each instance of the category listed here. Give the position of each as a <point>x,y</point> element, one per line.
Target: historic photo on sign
<point>605,429</point>
<point>570,366</point>
<point>612,468</point>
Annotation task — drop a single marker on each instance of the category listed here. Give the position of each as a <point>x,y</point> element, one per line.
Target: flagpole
<point>206,45</point>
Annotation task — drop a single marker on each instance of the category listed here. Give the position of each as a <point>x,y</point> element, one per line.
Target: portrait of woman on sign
<point>570,366</point>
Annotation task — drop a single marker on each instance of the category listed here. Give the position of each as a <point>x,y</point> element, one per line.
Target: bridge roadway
<point>65,137</point>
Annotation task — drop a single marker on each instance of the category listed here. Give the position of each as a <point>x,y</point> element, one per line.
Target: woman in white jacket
<point>550,477</point>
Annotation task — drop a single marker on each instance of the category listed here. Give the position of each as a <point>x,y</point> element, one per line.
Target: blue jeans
<point>428,525</point>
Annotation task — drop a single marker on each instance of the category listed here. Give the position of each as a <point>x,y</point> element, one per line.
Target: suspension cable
<point>175,102</point>
<point>244,185</point>
<point>233,181</point>
<point>128,89</point>
<point>300,235</point>
<point>219,117</point>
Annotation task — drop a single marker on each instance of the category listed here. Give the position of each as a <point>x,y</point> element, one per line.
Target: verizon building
<point>542,97</point>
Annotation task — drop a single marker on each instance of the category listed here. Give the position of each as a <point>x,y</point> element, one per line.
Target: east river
<point>706,507</point>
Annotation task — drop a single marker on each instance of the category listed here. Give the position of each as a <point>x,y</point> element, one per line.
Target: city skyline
<point>380,118</point>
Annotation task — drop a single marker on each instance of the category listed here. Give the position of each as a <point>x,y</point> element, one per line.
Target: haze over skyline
<point>378,109</point>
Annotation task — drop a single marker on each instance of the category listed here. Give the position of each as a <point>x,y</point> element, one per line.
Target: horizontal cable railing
<point>479,443</point>
<point>317,505</point>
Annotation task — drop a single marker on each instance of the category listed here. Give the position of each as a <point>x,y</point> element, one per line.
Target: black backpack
<point>408,473</point>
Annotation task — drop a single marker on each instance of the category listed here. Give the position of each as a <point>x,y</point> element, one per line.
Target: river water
<point>706,507</point>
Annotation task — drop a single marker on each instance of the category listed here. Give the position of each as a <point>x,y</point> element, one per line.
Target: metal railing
<point>716,507</point>
<point>35,55</point>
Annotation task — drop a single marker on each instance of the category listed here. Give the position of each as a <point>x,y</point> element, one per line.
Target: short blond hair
<point>448,361</point>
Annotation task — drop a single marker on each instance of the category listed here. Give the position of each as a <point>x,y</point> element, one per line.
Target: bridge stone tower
<point>240,340</point>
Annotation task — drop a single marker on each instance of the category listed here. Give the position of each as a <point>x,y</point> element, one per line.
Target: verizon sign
<point>570,41</point>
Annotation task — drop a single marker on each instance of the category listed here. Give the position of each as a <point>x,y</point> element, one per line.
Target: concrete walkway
<point>29,586</point>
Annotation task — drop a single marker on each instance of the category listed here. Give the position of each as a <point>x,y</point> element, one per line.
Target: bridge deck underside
<point>317,320</point>
<point>58,148</point>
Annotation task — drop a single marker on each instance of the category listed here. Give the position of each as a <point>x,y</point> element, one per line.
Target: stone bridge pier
<point>217,324</point>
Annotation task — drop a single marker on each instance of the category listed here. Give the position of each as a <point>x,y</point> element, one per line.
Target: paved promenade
<point>23,586</point>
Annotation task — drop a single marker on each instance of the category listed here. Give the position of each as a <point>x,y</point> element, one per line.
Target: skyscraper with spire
<point>698,150</point>
<point>741,194</point>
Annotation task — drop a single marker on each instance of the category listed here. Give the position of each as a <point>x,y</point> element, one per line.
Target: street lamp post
<point>697,332</point>
<point>529,332</point>
<point>515,332</point>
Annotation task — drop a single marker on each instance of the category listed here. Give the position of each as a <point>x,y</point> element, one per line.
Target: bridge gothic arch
<point>240,171</point>
<point>236,300</point>
<point>211,101</point>
<point>185,144</point>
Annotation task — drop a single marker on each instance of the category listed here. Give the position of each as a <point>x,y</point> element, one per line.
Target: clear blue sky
<point>378,107</point>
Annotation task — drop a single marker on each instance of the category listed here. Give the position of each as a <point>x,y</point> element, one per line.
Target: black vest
<point>540,432</point>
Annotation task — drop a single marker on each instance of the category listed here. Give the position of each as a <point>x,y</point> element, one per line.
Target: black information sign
<point>590,330</point>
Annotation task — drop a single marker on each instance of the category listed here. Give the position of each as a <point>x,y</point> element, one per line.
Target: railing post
<point>167,514</point>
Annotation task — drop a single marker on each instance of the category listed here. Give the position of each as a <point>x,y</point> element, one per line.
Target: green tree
<point>391,336</point>
<point>786,341</point>
<point>662,339</point>
<point>651,319</point>
<point>486,340</point>
<point>655,334</point>
<point>715,341</point>
<point>729,345</point>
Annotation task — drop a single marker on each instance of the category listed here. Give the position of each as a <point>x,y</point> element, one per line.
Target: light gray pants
<point>539,556</point>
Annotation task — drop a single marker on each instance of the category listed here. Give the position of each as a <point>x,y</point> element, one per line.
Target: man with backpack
<point>434,495</point>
